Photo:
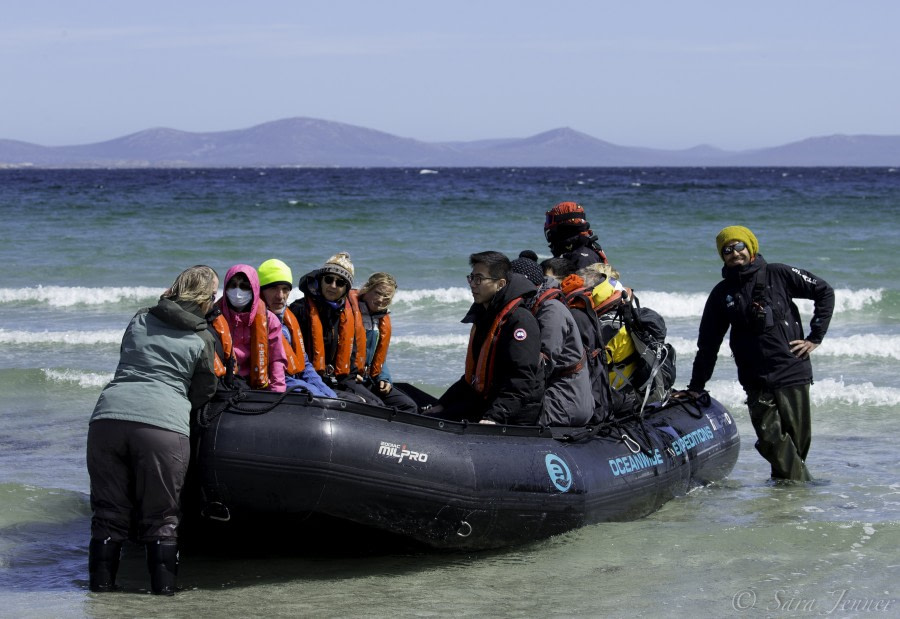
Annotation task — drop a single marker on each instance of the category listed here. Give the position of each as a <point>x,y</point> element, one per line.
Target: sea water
<point>82,250</point>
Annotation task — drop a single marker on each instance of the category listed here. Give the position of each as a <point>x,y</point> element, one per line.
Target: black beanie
<point>528,268</point>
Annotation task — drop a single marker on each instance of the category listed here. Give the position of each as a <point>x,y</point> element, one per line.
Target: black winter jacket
<point>330,317</point>
<point>760,337</point>
<point>517,389</point>
<point>580,252</point>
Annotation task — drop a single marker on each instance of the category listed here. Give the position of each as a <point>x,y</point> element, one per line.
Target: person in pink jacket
<point>255,331</point>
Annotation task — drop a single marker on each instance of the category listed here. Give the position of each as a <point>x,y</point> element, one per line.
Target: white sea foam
<point>439,295</point>
<point>846,300</point>
<point>822,392</point>
<point>673,304</point>
<point>67,296</point>
<point>432,341</point>
<point>868,345</point>
<point>669,304</point>
<point>88,338</point>
<point>861,394</point>
<point>87,380</point>
<point>864,345</point>
<point>690,305</point>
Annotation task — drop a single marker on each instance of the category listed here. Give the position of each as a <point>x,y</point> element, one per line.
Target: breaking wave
<point>65,296</point>
<point>669,304</point>
<point>78,338</point>
<point>87,380</point>
<point>866,345</point>
<point>823,392</point>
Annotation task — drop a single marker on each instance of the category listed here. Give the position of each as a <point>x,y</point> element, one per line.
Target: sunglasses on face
<point>739,246</point>
<point>331,280</point>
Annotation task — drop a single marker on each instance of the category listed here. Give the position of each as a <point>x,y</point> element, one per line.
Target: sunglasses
<point>739,246</point>
<point>331,280</point>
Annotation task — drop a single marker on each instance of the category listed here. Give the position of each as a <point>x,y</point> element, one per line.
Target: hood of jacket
<point>250,272</point>
<point>309,287</point>
<point>180,315</point>
<point>517,286</point>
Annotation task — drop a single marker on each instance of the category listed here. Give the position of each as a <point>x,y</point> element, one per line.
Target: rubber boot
<point>103,563</point>
<point>162,561</point>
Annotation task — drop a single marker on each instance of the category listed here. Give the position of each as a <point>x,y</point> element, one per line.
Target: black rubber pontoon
<point>447,484</point>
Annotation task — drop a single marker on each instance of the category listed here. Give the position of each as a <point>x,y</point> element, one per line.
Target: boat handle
<point>465,529</point>
<point>216,511</point>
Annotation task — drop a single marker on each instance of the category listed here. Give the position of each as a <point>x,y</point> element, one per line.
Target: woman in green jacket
<point>138,443</point>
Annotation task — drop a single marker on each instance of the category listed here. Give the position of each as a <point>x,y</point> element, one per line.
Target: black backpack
<point>654,376</point>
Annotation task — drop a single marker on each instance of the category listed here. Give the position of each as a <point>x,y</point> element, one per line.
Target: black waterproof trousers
<point>782,420</point>
<point>137,471</point>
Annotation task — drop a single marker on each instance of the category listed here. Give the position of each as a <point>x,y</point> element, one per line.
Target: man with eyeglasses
<point>756,300</point>
<point>503,381</point>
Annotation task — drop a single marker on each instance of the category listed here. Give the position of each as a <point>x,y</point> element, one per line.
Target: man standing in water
<point>756,299</point>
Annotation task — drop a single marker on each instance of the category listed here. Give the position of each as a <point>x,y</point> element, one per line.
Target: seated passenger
<point>254,332</point>
<point>595,273</point>
<point>332,329</point>
<point>569,236</point>
<point>567,396</point>
<point>578,298</point>
<point>275,284</point>
<point>503,382</point>
<point>374,297</point>
<point>557,268</point>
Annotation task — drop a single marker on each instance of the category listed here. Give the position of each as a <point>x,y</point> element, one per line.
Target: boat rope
<point>703,400</point>
<point>234,404</point>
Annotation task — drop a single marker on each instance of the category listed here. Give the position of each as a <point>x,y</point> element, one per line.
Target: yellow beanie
<point>274,271</point>
<point>737,233</point>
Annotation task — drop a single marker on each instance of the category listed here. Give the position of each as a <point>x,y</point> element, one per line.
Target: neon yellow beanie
<point>737,233</point>
<point>274,271</point>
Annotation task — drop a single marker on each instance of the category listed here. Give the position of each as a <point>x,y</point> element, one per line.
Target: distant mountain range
<point>310,142</point>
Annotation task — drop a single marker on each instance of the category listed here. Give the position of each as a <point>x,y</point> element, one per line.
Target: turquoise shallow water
<point>85,249</point>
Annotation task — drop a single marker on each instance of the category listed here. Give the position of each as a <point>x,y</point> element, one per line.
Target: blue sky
<point>667,74</point>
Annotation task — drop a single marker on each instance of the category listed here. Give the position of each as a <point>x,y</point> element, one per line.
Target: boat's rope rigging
<point>616,425</point>
<point>234,404</point>
<point>703,400</point>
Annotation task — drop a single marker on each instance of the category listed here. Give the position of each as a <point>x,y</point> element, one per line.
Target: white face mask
<point>239,298</point>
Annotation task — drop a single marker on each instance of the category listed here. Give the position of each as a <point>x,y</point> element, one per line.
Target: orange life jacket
<point>350,329</point>
<point>550,293</point>
<point>259,349</point>
<point>221,327</point>
<point>480,370</point>
<point>615,299</point>
<point>293,350</point>
<point>579,298</point>
<point>381,346</point>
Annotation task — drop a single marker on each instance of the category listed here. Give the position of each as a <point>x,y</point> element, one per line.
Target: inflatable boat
<point>261,455</point>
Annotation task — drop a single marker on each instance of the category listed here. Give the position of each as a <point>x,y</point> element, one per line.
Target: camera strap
<point>759,288</point>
